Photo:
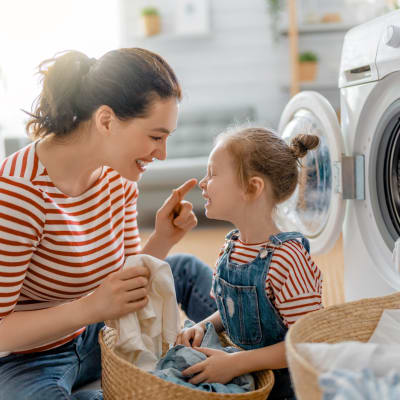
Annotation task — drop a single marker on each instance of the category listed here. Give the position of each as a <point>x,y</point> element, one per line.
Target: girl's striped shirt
<point>55,248</point>
<point>294,282</point>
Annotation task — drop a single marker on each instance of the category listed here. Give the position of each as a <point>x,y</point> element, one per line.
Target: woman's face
<point>136,142</point>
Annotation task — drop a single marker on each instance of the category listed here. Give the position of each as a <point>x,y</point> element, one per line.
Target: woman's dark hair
<point>74,86</point>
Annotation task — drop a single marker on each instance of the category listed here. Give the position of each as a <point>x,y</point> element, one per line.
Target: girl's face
<point>136,142</point>
<point>220,187</point>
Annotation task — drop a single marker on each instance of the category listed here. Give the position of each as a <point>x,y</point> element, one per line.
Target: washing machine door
<point>316,208</point>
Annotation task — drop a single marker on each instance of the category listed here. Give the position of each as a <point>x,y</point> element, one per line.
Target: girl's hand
<point>120,293</point>
<point>191,336</point>
<point>217,368</point>
<point>175,217</point>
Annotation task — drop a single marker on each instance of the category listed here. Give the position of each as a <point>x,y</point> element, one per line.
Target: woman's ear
<point>255,187</point>
<point>103,118</point>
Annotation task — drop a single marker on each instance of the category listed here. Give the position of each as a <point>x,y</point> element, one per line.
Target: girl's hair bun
<point>301,143</point>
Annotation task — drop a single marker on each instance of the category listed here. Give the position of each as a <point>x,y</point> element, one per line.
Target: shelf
<point>318,86</point>
<point>321,28</point>
<point>172,36</point>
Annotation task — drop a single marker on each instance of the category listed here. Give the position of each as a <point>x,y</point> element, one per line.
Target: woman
<point>68,219</point>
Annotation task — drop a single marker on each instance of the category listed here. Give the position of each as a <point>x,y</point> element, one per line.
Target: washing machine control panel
<point>388,54</point>
<point>391,36</point>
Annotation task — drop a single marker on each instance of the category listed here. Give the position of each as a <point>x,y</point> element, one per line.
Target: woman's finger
<point>135,295</point>
<point>136,305</point>
<point>185,216</point>
<point>186,187</point>
<point>129,272</point>
<point>173,203</point>
<point>190,224</point>
<point>135,283</point>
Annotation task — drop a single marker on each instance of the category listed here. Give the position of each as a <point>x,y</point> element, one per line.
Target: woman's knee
<point>188,266</point>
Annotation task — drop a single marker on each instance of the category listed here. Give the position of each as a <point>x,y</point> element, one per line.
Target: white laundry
<point>380,354</point>
<point>142,333</point>
<point>388,329</point>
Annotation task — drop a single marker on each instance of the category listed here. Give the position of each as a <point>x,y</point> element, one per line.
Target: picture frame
<point>192,16</point>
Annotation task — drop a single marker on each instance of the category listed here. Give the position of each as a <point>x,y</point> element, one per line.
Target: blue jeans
<point>193,280</point>
<point>53,374</point>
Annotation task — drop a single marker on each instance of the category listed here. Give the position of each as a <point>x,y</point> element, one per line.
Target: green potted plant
<point>150,20</point>
<point>274,9</point>
<point>308,62</point>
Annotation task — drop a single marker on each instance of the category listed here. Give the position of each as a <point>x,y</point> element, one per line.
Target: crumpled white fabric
<point>381,353</point>
<point>354,356</point>
<point>388,329</point>
<point>141,334</point>
<point>355,370</point>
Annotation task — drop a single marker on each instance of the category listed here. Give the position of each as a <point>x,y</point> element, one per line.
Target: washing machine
<point>351,183</point>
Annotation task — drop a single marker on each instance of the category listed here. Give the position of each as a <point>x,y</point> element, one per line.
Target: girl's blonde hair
<point>261,152</point>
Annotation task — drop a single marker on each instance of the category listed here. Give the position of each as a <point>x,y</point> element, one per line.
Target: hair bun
<point>301,143</point>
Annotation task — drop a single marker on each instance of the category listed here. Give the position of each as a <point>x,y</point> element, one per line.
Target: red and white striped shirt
<point>294,282</point>
<point>55,248</point>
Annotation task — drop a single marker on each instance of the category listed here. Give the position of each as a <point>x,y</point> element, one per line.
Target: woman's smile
<point>142,165</point>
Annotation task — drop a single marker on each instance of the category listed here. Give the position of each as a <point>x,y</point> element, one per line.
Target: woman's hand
<point>218,367</point>
<point>120,293</point>
<point>175,217</point>
<point>191,336</point>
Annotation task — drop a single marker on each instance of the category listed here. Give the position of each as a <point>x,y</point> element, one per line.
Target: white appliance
<point>351,184</point>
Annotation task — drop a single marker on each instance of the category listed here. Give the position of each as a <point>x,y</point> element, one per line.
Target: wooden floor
<point>206,240</point>
<point>202,242</point>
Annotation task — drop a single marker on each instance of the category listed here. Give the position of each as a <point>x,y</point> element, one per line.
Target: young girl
<point>265,279</point>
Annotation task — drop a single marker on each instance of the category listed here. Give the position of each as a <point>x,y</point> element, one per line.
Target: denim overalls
<point>248,316</point>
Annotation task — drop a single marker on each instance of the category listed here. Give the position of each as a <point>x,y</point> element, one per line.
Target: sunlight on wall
<point>31,31</point>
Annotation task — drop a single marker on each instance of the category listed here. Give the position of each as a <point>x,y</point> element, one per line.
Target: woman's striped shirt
<point>55,248</point>
<point>294,282</point>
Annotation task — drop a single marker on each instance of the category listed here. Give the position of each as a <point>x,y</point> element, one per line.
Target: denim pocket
<point>240,310</point>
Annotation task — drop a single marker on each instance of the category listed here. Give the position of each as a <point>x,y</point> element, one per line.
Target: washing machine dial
<point>391,36</point>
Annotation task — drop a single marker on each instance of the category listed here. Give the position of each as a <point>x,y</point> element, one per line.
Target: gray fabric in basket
<point>342,384</point>
<point>180,357</point>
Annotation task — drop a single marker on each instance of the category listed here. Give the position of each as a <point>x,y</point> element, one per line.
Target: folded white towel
<point>141,334</point>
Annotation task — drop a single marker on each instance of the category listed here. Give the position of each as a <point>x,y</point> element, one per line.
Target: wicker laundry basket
<point>123,381</point>
<point>346,322</point>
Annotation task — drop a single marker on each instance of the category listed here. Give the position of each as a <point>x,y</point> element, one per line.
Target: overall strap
<point>233,232</point>
<point>283,237</point>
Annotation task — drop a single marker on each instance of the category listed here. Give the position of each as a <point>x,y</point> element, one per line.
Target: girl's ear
<point>103,118</point>
<point>255,187</point>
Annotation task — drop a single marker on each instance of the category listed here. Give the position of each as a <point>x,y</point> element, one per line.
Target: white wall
<point>238,63</point>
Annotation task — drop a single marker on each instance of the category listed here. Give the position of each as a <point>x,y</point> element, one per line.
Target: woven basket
<point>121,380</point>
<point>346,322</point>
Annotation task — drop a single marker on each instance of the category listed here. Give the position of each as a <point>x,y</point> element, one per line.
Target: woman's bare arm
<point>120,293</point>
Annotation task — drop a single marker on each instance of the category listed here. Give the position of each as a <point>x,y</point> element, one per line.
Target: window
<point>31,31</point>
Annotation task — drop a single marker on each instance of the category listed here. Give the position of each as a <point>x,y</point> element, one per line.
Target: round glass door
<point>316,209</point>
<point>308,209</point>
<point>387,173</point>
